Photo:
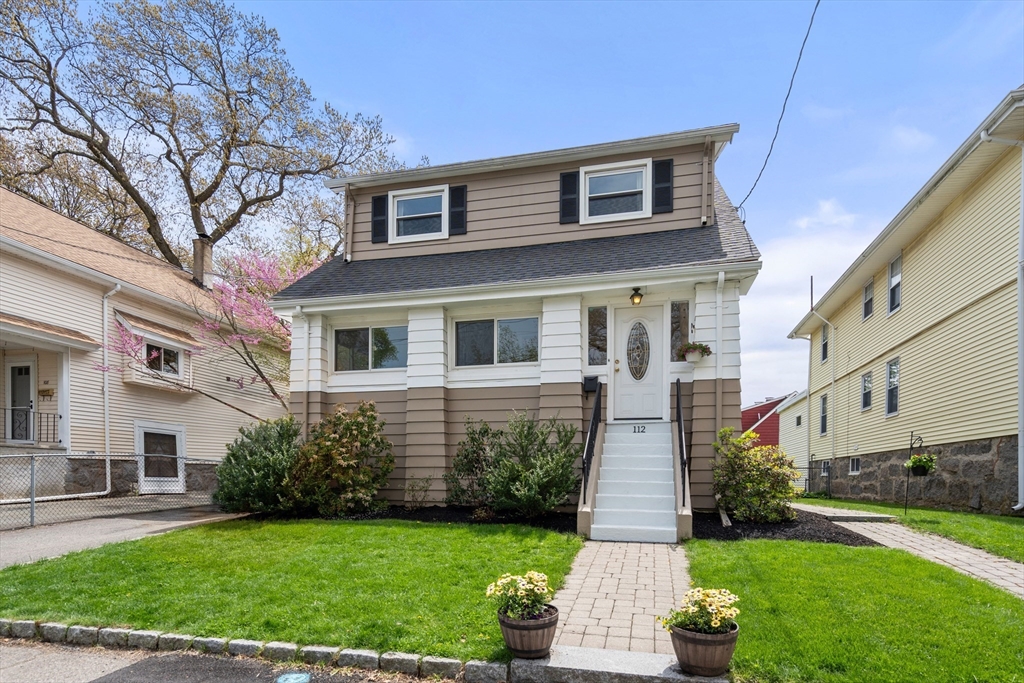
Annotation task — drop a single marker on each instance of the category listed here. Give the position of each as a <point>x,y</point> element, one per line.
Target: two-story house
<point>922,335</point>
<point>475,289</point>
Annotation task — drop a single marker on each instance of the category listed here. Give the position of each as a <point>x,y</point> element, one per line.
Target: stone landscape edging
<point>476,671</point>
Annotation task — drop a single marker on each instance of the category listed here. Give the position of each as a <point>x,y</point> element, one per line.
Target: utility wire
<point>784,102</point>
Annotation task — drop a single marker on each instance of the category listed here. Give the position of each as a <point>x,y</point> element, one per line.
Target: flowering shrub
<point>926,460</point>
<point>704,610</point>
<point>343,464</point>
<point>520,597</point>
<point>753,483</point>
<point>704,350</point>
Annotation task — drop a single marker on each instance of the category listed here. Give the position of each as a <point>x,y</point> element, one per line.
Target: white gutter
<point>985,137</point>
<point>106,383</point>
<point>832,392</point>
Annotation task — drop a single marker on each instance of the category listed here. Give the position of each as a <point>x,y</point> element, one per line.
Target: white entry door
<point>638,378</point>
<point>160,450</point>
<point>20,403</point>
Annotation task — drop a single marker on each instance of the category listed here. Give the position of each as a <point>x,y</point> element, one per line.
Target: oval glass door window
<point>638,350</point>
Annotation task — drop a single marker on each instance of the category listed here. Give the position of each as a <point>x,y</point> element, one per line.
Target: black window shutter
<point>569,198</point>
<point>379,220</point>
<point>457,210</point>
<point>662,186</point>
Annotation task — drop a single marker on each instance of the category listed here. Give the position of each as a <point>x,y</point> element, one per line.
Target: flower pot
<point>704,654</point>
<point>919,470</point>
<point>693,356</point>
<point>529,638</point>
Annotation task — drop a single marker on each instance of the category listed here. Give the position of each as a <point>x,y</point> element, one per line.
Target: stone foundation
<point>86,475</point>
<point>973,475</point>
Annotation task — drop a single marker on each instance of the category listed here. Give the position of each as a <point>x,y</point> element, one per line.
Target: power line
<point>784,102</point>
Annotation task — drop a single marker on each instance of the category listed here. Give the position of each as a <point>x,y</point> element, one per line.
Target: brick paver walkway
<point>1004,573</point>
<point>614,592</point>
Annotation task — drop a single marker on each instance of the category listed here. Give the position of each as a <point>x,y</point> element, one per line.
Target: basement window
<point>854,465</point>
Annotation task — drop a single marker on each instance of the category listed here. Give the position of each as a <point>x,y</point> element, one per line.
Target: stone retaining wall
<point>86,475</point>
<point>977,475</point>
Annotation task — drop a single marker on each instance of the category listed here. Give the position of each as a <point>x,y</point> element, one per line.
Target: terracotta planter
<point>704,654</point>
<point>919,470</point>
<point>693,356</point>
<point>529,638</point>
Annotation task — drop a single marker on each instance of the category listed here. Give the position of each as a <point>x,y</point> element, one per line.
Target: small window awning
<point>34,330</point>
<point>157,331</point>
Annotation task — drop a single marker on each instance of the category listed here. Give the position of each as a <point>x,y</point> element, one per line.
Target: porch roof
<point>45,332</point>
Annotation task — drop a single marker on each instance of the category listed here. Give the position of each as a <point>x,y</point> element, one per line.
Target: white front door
<point>638,377</point>
<point>160,450</point>
<point>21,394</point>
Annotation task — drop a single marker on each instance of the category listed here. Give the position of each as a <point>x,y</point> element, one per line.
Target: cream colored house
<point>64,289</point>
<point>531,283</point>
<point>793,431</point>
<point>922,335</point>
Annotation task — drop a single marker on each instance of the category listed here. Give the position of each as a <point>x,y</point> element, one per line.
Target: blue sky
<point>885,94</point>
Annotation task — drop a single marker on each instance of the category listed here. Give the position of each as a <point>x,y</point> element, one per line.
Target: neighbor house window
<point>895,283</point>
<point>869,299</point>
<point>613,192</point>
<point>418,214</point>
<point>824,343</point>
<point>854,465</point>
<point>865,391</point>
<point>597,335</point>
<point>824,413</point>
<point>365,348</point>
<point>892,387</point>
<point>515,342</point>
<point>826,468</point>
<point>799,420</point>
<point>680,327</point>
<point>163,360</point>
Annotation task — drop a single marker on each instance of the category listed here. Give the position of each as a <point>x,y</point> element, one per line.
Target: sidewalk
<point>36,543</point>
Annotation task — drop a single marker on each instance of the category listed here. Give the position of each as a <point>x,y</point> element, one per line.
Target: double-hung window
<point>163,360</point>
<point>824,343</point>
<point>824,414</point>
<point>865,391</point>
<point>613,192</point>
<point>365,348</point>
<point>892,387</point>
<point>516,341</point>
<point>418,214</point>
<point>895,283</point>
<point>869,299</point>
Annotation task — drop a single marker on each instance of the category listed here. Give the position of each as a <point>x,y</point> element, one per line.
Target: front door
<point>639,384</point>
<point>161,463</point>
<point>20,399</point>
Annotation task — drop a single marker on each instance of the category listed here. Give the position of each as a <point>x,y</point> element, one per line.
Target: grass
<point>999,535</point>
<point>830,613</point>
<point>383,585</point>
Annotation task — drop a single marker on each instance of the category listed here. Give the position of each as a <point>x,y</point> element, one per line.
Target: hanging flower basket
<point>921,464</point>
<point>694,352</point>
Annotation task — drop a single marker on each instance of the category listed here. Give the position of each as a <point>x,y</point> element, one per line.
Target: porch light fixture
<point>636,297</point>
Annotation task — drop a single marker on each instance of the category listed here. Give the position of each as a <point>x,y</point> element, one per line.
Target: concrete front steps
<point>636,487</point>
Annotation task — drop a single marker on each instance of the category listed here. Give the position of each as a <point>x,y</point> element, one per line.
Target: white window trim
<point>453,357</point>
<point>160,484</point>
<point>854,473</point>
<point>165,347</point>
<point>646,165</point>
<point>862,408</point>
<point>823,403</point>
<point>890,284</point>
<point>897,411</point>
<point>369,354</point>
<point>870,283</point>
<point>411,193</point>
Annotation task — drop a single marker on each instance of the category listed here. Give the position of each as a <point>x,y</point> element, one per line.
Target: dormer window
<point>615,192</point>
<point>418,214</point>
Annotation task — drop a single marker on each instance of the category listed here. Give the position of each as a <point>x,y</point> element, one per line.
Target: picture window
<point>365,348</point>
<point>516,341</point>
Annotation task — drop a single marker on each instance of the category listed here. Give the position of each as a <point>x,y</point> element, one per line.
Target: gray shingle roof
<point>725,242</point>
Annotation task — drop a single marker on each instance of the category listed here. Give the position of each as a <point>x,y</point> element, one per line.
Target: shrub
<point>253,475</point>
<point>527,469</point>
<point>344,463</point>
<point>754,483</point>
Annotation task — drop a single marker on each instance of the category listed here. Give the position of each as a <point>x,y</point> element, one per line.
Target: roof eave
<point>718,134</point>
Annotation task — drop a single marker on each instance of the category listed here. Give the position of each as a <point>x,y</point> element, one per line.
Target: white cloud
<point>910,139</point>
<point>818,113</point>
<point>822,244</point>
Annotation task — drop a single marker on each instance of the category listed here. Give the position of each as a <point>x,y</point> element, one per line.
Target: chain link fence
<point>816,479</point>
<point>47,488</point>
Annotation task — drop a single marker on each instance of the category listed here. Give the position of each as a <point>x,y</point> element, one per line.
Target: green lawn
<point>384,584</point>
<point>830,613</point>
<point>999,535</point>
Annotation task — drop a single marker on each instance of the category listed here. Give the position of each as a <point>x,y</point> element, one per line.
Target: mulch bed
<point>552,521</point>
<point>807,527</point>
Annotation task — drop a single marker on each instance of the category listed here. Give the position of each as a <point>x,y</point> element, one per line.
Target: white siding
<point>561,340</point>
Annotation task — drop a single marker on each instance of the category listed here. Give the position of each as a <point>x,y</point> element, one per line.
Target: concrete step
<point>636,534</point>
<point>637,449</point>
<point>637,461</point>
<point>635,518</point>
<point>650,426</point>
<point>637,439</point>
<point>592,665</point>
<point>620,502</point>
<point>636,474</point>
<point>637,488</point>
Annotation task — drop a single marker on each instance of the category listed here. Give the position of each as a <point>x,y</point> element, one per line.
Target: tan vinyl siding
<point>391,405</point>
<point>520,207</point>
<point>703,426</point>
<point>955,333</point>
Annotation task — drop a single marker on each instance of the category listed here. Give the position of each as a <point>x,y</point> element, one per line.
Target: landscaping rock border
<point>396,662</point>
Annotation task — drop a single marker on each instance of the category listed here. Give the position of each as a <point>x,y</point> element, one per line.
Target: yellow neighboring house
<point>922,335</point>
<point>64,290</point>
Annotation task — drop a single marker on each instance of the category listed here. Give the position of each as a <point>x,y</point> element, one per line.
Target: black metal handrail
<point>28,425</point>
<point>588,451</point>
<point>684,461</point>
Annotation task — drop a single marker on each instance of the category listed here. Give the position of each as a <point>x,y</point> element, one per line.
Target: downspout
<point>350,219</point>
<point>305,382</point>
<point>832,391</point>
<point>985,137</point>
<point>106,372</point>
<point>718,356</point>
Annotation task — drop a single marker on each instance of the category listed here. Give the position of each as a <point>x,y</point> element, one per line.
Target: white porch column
<point>428,350</point>
<point>64,397</point>
<point>561,360</point>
